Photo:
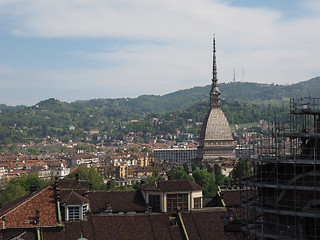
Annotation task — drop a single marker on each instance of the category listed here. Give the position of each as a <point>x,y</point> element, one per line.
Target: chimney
<point>37,218</point>
<point>109,207</point>
<point>231,183</point>
<point>33,188</point>
<point>178,209</point>
<point>56,181</point>
<point>149,208</point>
<point>3,222</point>
<point>58,193</point>
<point>226,182</point>
<point>37,223</point>
<point>237,182</point>
<point>108,185</point>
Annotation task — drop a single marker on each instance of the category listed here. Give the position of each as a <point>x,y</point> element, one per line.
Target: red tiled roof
<point>198,225</point>
<point>172,186</point>
<point>22,212</point>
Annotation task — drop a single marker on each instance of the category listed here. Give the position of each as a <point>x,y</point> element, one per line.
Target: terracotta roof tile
<point>23,212</point>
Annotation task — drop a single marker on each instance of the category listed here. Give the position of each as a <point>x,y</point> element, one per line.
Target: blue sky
<point>84,49</point>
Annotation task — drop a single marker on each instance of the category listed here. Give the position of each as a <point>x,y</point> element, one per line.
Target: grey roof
<point>215,126</point>
<point>120,201</point>
<point>172,186</point>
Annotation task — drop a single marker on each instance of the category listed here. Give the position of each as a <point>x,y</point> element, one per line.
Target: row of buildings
<point>68,209</point>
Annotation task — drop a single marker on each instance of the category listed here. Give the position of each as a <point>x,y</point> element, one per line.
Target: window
<point>154,202</point>
<point>197,202</point>
<point>73,213</point>
<point>175,200</point>
<point>84,210</point>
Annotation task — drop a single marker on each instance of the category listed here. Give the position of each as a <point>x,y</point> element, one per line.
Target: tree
<point>14,148</point>
<point>146,149</point>
<point>209,168</point>
<point>155,173</point>
<point>91,176</point>
<point>12,192</point>
<point>34,150</point>
<point>125,188</point>
<point>32,179</point>
<point>19,187</point>
<point>201,167</point>
<point>207,181</point>
<point>193,167</point>
<point>86,148</point>
<point>179,173</point>
<point>153,178</point>
<point>219,177</point>
<point>3,182</point>
<point>242,170</point>
<point>186,167</point>
<point>112,185</point>
<point>54,150</point>
<point>133,149</point>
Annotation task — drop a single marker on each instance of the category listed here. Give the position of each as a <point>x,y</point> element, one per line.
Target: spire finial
<point>214,93</point>
<point>214,64</point>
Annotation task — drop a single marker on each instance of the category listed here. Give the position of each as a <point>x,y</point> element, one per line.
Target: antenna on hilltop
<point>234,75</point>
<point>243,73</point>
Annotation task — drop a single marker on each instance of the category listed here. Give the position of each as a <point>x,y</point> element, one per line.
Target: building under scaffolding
<point>285,201</point>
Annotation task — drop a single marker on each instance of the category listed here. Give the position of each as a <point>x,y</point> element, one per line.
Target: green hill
<point>242,103</point>
<point>244,92</point>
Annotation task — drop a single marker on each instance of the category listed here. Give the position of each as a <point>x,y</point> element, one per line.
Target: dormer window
<point>75,206</point>
<point>76,212</point>
<point>84,210</point>
<point>73,213</point>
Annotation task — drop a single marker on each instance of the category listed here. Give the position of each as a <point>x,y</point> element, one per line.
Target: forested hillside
<point>74,121</point>
<point>244,92</point>
<point>181,110</point>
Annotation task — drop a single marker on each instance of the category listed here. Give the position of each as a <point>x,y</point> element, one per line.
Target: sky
<point>84,49</point>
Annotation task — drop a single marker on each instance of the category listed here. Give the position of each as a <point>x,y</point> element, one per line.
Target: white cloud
<point>141,73</point>
<point>268,46</point>
<point>139,19</point>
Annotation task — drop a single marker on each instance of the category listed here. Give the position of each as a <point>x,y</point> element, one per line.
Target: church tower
<point>216,142</point>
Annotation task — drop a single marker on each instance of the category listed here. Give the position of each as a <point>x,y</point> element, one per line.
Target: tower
<point>216,142</point>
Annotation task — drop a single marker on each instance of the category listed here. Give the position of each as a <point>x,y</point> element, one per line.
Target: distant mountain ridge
<point>245,92</point>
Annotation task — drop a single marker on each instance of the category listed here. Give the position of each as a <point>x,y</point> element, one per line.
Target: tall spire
<point>215,100</point>
<point>214,65</point>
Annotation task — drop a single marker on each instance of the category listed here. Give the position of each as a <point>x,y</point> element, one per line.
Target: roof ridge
<point>73,193</point>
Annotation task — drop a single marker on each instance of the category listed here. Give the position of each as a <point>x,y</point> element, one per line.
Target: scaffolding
<point>284,197</point>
